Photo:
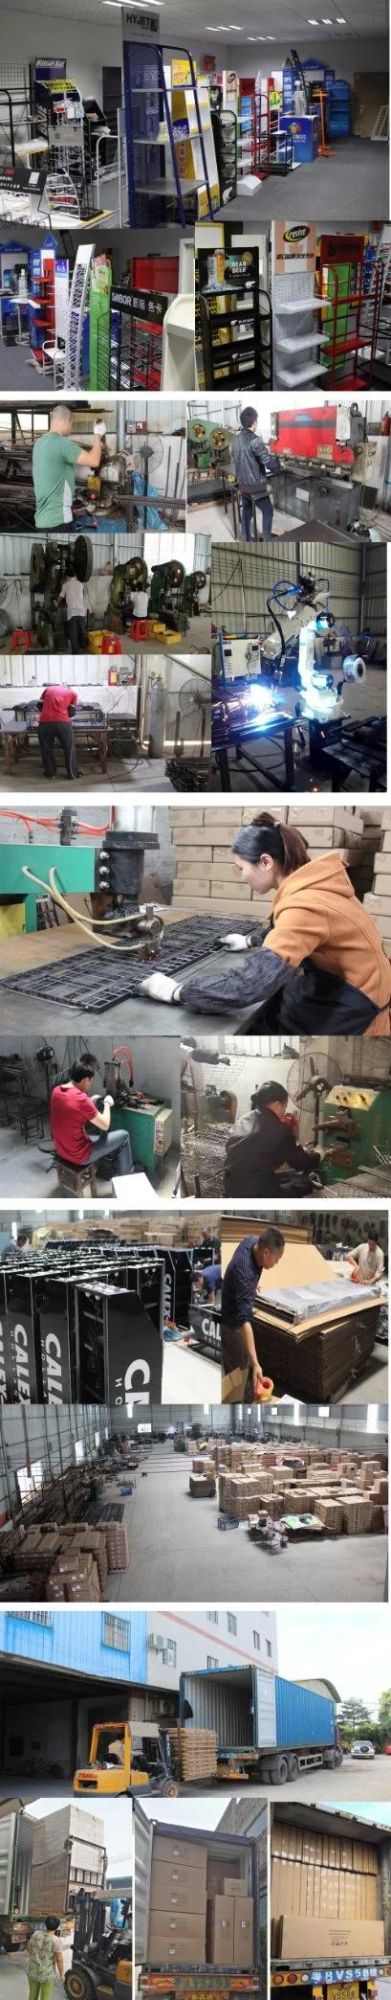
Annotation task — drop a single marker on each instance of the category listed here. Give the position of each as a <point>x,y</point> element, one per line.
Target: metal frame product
<point>126,1325</point>
<point>146,90</point>
<point>92,982</point>
<point>76,311</point>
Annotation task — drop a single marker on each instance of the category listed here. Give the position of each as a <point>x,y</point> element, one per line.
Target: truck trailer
<point>330,1918</point>
<point>199,1911</point>
<point>43,1861</point>
<point>266,1727</point>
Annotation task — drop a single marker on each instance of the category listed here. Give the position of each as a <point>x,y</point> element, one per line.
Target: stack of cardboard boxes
<point>230,1926</point>
<point>177,1904</point>
<point>198,1915</point>
<point>324,1895</point>
<point>206,877</point>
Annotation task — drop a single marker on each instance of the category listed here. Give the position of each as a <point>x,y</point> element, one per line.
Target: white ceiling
<point>284,21</point>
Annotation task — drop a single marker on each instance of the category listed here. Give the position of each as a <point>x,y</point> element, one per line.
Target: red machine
<point>310,434</point>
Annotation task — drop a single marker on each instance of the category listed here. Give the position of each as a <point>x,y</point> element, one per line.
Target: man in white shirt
<point>368,1259</point>
<point>72,593</point>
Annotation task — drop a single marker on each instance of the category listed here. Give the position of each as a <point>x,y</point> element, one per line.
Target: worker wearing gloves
<point>72,1112</point>
<point>320,966</point>
<point>44,1960</point>
<point>56,706</point>
<point>55,457</point>
<point>367,1260</point>
<point>257,1154</point>
<point>253,467</point>
<point>252,1256</point>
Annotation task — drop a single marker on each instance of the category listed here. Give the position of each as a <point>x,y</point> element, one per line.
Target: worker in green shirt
<point>55,457</point>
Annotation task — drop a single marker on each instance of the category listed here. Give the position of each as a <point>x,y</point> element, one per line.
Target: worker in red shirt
<point>81,1132</point>
<point>56,706</point>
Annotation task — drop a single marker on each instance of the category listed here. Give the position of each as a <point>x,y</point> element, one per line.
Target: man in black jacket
<point>257,1153</point>
<point>253,466</point>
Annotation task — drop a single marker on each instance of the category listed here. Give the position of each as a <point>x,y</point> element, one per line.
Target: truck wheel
<point>280,1771</point>
<point>338,1759</point>
<point>293,1767</point>
<point>78,1985</point>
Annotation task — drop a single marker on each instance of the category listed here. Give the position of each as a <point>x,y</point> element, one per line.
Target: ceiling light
<point>313,24</point>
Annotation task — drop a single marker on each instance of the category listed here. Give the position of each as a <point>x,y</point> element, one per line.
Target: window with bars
<point>116,1632</point>
<point>32,1617</point>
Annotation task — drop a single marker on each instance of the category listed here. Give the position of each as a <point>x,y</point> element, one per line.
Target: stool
<point>75,1180</point>
<point>139,628</point>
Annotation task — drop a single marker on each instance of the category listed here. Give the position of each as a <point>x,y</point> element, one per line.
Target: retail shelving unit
<point>171,161</point>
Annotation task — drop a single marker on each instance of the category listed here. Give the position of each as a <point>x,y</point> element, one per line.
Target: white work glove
<point>160,987</point>
<point>100,430</point>
<point>110,1101</point>
<point>234,942</point>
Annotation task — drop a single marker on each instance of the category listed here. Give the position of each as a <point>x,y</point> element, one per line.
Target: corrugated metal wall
<point>44,1438</point>
<point>302,1717</point>
<point>78,1643</point>
<point>243,579</point>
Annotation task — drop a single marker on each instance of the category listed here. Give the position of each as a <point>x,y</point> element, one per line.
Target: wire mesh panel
<point>137,335</point>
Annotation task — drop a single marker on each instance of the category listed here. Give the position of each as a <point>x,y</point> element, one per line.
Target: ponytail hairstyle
<point>295,848</point>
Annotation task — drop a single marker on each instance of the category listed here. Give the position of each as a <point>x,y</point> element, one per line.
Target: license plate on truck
<point>350,1991</point>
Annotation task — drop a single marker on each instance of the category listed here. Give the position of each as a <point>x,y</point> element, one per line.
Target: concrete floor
<point>165,1527</point>
<point>27,1170</point>
<point>364,1782</point>
<point>13,1978</point>
<point>195,640</point>
<point>123,774</point>
<point>208,518</point>
<point>189,1377</point>
<point>352,183</point>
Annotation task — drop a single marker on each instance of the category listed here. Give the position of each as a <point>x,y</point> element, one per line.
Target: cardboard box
<point>220,1930</point>
<point>187,1883</point>
<point>234,1886</point>
<point>243,1931</point>
<point>321,1938</point>
<point>164,1949</point>
<point>189,1852</point>
<point>177,1923</point>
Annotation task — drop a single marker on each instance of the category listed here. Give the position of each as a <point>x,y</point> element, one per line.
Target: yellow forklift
<point>102,1951</point>
<point>125,1757</point>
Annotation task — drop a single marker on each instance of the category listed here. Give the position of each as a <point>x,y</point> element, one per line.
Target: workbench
<point>313,1350</point>
<point>95,737</point>
<point>136,1016</point>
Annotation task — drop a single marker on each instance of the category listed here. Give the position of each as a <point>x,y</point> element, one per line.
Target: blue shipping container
<point>303,1718</point>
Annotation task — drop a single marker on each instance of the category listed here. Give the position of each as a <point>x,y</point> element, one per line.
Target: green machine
<point>149,1126</point>
<point>75,874</point>
<point>356,1117</point>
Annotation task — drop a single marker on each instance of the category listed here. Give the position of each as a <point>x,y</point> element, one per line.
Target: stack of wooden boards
<point>324,1894</point>
<point>194,1752</point>
<point>345,1491</point>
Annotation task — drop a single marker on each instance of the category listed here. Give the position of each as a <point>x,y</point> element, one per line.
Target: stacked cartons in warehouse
<point>206,875</point>
<point>378,898</point>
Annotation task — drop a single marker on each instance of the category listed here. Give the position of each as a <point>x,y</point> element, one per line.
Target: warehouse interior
<point>295,306</point>
<point>132,1077</point>
<point>299,668</point>
<point>314,113</point>
<point>146,1348</point>
<point>136,480</point>
<point>323,465</point>
<point>89,1498</point>
<point>78,316</point>
<point>146,587</point>
<point>320,1313</point>
<point>182,862</point>
<point>337,1107</point>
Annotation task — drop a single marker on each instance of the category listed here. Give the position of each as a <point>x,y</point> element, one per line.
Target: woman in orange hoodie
<point>321,967</point>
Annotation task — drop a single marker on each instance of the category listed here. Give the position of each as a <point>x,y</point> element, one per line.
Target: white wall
<point>196,1639</point>
<point>86,45</point>
<point>348,57</point>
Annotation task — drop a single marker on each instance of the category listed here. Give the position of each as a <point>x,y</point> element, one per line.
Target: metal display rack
<point>166,130</point>
<point>234,353</point>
